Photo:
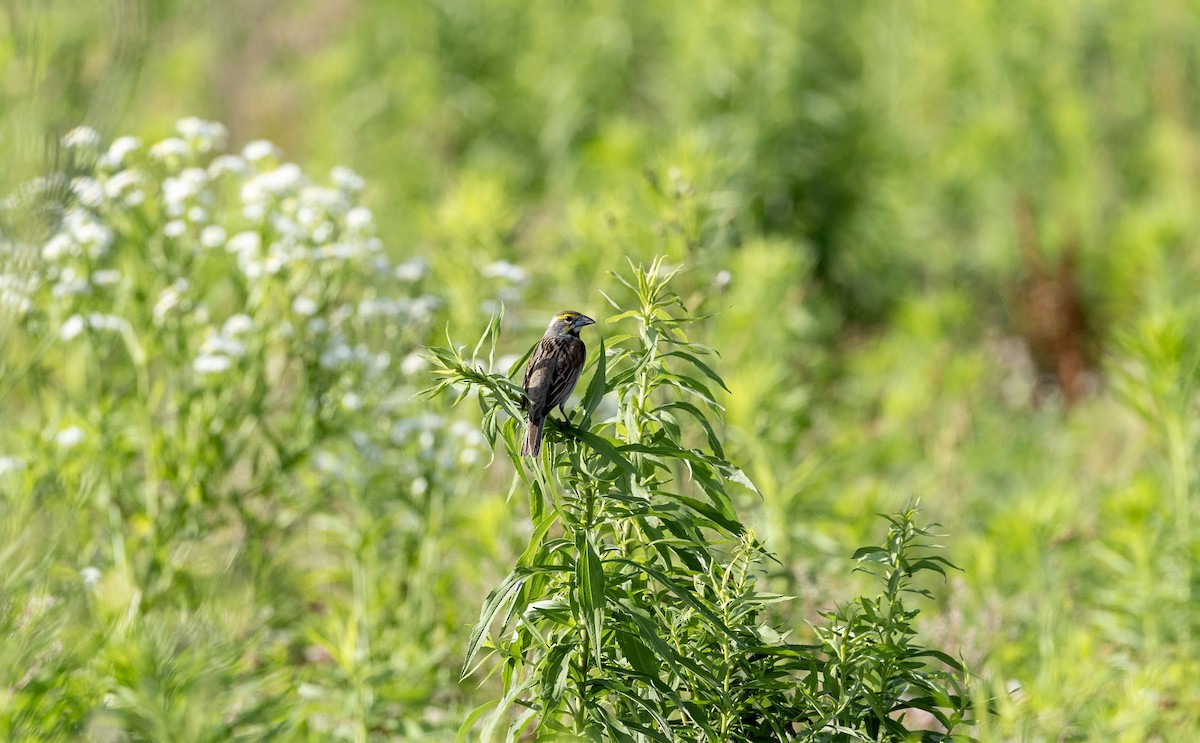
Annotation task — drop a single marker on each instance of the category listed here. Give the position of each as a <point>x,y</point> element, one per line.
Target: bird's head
<point>569,322</point>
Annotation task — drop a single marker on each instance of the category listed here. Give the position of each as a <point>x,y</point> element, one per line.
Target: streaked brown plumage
<point>552,373</point>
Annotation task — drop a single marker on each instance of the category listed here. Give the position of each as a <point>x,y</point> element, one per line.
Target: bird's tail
<point>533,438</point>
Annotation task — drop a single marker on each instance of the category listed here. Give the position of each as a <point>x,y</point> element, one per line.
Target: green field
<point>944,254</point>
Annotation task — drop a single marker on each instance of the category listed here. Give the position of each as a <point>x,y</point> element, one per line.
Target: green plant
<point>634,612</point>
<point>221,485</point>
<point>875,671</point>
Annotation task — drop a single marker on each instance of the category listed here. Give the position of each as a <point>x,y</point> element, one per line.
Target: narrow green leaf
<point>491,607</point>
<point>502,708</point>
<point>695,387</point>
<point>683,594</point>
<point>490,332</point>
<point>604,448</point>
<point>624,691</point>
<point>552,676</point>
<point>589,573</point>
<point>736,475</point>
<point>520,362</point>
<point>518,725</point>
<point>714,441</point>
<point>943,657</point>
<point>704,368</point>
<point>596,389</point>
<point>636,652</point>
<point>614,727</point>
<point>464,730</point>
<point>535,539</point>
<point>730,524</point>
<point>623,316</point>
<point>864,552</point>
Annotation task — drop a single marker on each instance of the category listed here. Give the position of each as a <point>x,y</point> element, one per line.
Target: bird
<point>552,372</point>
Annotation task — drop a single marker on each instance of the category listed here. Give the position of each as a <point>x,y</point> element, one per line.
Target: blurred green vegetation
<point>951,253</point>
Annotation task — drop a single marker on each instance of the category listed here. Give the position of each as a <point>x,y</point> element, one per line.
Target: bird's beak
<point>583,320</point>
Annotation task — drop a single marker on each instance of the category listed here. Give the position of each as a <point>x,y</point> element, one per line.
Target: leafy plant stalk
<point>634,614</point>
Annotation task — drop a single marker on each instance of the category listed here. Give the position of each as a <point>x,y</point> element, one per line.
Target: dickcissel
<point>552,373</point>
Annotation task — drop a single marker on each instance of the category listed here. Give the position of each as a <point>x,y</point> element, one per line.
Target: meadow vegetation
<point>946,257</point>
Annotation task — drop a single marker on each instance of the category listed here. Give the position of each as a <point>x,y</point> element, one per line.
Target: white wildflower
<point>722,279</point>
<point>504,270</point>
<point>339,355</point>
<point>337,251</point>
<point>69,437</point>
<point>221,344</point>
<point>179,190</point>
<point>281,180</point>
<point>90,576</point>
<point>252,269</point>
<point>88,191</point>
<point>227,164</point>
<point>87,232</point>
<point>71,328</point>
<point>237,325</point>
<point>197,215</point>
<point>81,137</point>
<point>286,227</point>
<point>421,308</point>
<point>346,179</point>
<point>174,228</point>
<point>274,262</point>
<point>100,321</point>
<point>212,236</point>
<point>211,364</point>
<point>413,364</point>
<point>15,302</point>
<point>351,401</point>
<point>260,149</point>
<point>205,136</point>
<point>170,148</point>
<point>358,219</point>
<point>69,285</point>
<point>304,306</point>
<point>125,186</point>
<point>244,244</point>
<point>118,151</point>
<point>170,298</point>
<point>11,464</point>
<point>58,246</point>
<point>426,440</point>
<point>106,277</point>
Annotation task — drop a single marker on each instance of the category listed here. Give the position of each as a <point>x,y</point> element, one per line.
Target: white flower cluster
<point>75,324</point>
<point>222,348</point>
<point>233,270</point>
<point>511,279</point>
<point>448,443</point>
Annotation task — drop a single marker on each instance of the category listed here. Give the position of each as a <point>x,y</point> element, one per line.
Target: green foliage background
<point>839,179</point>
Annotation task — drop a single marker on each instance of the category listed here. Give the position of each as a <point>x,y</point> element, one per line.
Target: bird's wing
<point>540,374</point>
<point>570,358</point>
